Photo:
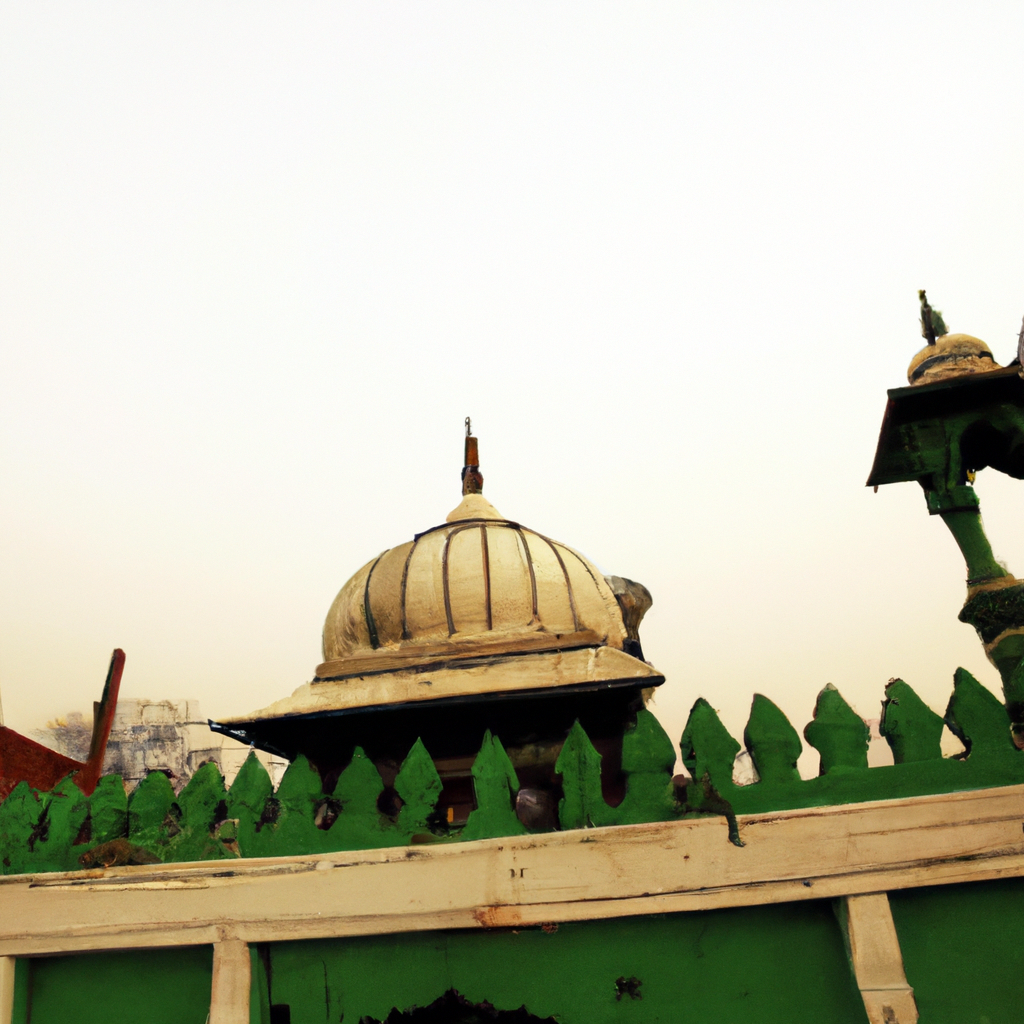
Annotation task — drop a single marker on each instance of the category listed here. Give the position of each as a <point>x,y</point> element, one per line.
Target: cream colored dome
<point>952,355</point>
<point>478,606</point>
<point>476,585</point>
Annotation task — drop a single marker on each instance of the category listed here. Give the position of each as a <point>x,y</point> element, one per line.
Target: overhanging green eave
<point>978,419</point>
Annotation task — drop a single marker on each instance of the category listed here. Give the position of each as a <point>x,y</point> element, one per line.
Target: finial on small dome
<point>932,324</point>
<point>472,479</point>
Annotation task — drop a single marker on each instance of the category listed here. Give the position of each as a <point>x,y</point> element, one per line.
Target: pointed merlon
<point>977,718</point>
<point>707,746</point>
<point>772,741</point>
<point>579,765</point>
<point>912,730</point>
<point>837,732</point>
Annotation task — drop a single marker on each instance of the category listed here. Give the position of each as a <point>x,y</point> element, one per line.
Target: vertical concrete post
<point>232,973</point>
<point>6,989</point>
<point>878,961</point>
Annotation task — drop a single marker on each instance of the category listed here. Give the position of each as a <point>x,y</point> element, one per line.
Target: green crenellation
<point>977,719</point>
<point>151,821</point>
<point>65,830</point>
<point>648,760</point>
<point>495,786</point>
<point>837,732</point>
<point>912,730</point>
<point>773,743</point>
<point>360,825</point>
<point>579,765</point>
<point>707,747</point>
<point>418,786</point>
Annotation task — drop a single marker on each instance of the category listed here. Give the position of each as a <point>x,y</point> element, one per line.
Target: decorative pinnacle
<point>472,479</point>
<point>932,324</point>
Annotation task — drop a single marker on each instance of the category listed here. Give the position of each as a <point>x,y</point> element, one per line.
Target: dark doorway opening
<point>452,1008</point>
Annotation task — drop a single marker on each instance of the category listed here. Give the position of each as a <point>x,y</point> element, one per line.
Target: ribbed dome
<point>476,585</point>
<point>952,355</point>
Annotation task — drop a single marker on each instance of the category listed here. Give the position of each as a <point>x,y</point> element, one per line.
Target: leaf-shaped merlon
<point>20,814</point>
<point>247,800</point>
<point>418,785</point>
<point>912,730</point>
<point>648,759</point>
<point>301,785</point>
<point>977,717</point>
<point>201,799</point>
<point>108,810</point>
<point>65,816</point>
<point>298,795</point>
<point>579,764</point>
<point>251,789</point>
<point>837,732</point>
<point>773,743</point>
<point>707,747</point>
<point>360,825</point>
<point>646,746</point>
<point>148,808</point>
<point>495,785</point>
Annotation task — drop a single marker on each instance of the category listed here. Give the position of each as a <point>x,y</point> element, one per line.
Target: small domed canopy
<point>952,355</point>
<point>477,584</point>
<point>477,605</point>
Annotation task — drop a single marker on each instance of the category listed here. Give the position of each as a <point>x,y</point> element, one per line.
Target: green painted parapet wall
<point>772,964</point>
<point>64,830</point>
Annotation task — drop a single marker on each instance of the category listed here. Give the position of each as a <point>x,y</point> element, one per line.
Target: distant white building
<point>173,737</point>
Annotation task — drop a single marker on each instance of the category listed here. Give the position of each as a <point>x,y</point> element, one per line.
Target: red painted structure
<point>24,760</point>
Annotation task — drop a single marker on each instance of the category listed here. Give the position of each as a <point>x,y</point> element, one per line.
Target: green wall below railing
<point>778,964</point>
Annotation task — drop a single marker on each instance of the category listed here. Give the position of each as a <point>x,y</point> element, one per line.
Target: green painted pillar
<point>961,513</point>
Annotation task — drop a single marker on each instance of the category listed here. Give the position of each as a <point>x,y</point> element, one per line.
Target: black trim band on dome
<point>405,583</point>
<point>457,528</point>
<point>568,582</point>
<point>529,563</point>
<point>948,357</point>
<point>486,555</point>
<point>371,625</point>
<point>468,522</point>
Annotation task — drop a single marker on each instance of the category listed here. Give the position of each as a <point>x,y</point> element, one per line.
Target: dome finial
<point>932,324</point>
<point>472,479</point>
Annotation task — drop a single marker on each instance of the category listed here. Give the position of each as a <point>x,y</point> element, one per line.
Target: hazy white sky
<point>258,262</point>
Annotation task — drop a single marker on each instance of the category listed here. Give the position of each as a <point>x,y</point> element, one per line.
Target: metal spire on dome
<point>472,478</point>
